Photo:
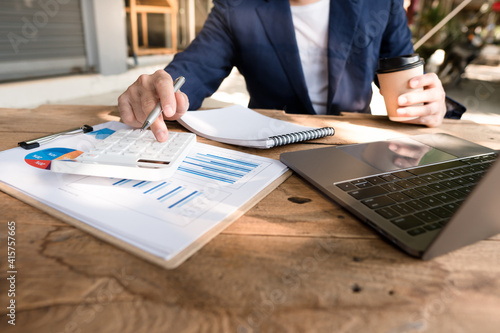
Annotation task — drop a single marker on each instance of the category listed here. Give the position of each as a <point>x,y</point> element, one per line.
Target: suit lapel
<point>277,21</point>
<point>344,19</point>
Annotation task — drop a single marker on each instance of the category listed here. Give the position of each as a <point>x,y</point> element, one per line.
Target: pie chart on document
<point>42,158</point>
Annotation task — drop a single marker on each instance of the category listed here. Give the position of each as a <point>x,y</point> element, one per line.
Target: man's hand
<point>432,112</point>
<point>137,102</point>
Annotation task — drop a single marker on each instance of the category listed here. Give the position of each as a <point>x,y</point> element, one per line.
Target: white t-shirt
<point>311,31</point>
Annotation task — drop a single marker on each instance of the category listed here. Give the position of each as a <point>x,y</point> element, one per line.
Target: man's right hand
<point>137,102</point>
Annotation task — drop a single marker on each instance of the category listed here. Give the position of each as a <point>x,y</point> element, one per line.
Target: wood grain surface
<point>296,262</point>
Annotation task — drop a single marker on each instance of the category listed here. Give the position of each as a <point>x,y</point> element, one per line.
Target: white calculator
<point>131,154</point>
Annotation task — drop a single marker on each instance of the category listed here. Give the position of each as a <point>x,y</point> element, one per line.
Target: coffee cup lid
<point>389,65</point>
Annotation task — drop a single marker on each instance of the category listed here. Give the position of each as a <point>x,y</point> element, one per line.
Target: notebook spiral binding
<point>285,139</point>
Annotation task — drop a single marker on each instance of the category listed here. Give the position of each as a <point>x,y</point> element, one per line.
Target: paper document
<point>169,219</point>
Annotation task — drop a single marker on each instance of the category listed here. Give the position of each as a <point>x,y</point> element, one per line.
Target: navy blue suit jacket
<point>257,36</point>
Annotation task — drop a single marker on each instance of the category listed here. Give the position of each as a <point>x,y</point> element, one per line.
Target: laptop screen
<point>396,154</point>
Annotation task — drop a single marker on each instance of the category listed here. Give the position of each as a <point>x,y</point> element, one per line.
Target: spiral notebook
<point>238,125</point>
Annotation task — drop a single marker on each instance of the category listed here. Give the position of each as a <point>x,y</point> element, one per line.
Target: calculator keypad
<point>133,154</point>
<point>133,146</point>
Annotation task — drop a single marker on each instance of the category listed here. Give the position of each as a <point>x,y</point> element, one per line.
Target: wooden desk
<point>296,262</point>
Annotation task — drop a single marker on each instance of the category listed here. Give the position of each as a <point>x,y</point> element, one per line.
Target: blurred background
<point>90,51</point>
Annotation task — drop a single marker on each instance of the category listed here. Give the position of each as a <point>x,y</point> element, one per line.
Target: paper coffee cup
<point>394,75</point>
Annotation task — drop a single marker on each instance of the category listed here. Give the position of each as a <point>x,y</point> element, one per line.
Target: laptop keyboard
<point>421,199</point>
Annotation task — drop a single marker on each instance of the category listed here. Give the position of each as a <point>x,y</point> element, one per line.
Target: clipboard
<point>59,200</point>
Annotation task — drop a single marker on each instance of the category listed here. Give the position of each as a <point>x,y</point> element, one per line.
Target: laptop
<point>426,194</point>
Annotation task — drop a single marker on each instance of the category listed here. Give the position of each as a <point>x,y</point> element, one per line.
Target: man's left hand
<point>432,106</point>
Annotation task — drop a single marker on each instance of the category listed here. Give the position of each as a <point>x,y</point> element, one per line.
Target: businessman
<point>301,56</point>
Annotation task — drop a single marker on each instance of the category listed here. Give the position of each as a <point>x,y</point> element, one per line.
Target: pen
<point>35,143</point>
<point>157,110</point>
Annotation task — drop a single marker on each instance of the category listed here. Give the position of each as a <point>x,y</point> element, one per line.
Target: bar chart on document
<point>207,177</point>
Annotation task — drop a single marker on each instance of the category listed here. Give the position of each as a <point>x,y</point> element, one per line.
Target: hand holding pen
<point>158,109</point>
<point>137,102</point>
